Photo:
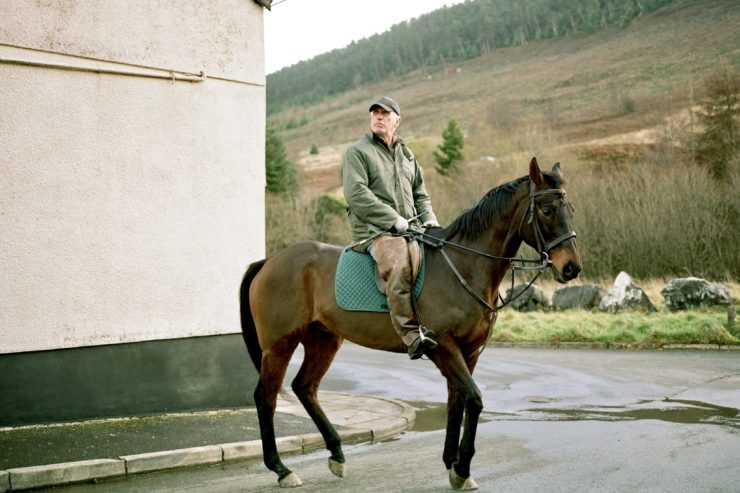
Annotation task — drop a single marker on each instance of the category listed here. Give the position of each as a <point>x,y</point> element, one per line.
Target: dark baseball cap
<point>387,104</point>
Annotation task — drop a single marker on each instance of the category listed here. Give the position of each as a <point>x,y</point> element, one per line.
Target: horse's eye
<point>547,211</point>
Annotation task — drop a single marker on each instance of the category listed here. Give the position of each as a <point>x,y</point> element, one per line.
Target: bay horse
<point>288,299</point>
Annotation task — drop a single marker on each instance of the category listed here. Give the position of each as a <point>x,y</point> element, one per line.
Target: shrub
<point>282,175</point>
<point>450,150</point>
<point>718,144</point>
<point>289,221</point>
<point>654,220</point>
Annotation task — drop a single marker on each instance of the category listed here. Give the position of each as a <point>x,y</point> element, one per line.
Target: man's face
<point>383,123</point>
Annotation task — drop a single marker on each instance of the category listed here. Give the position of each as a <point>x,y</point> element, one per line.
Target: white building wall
<point>129,206</point>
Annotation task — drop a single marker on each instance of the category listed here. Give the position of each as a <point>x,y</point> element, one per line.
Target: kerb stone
<point>4,481</point>
<point>288,445</point>
<point>242,450</point>
<point>356,436</point>
<point>170,459</point>
<point>65,473</point>
<point>312,441</point>
<point>388,428</point>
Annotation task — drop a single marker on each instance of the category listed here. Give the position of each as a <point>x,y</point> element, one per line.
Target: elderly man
<point>384,189</point>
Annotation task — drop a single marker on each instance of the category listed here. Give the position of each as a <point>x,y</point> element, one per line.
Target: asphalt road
<point>554,420</point>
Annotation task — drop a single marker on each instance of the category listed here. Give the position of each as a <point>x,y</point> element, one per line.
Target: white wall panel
<point>129,206</point>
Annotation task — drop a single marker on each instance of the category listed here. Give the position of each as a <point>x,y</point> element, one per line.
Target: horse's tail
<point>249,330</point>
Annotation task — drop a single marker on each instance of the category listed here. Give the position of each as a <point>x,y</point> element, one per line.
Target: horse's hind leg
<point>274,365</point>
<point>320,347</point>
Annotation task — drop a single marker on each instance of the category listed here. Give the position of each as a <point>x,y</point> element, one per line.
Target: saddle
<point>357,284</point>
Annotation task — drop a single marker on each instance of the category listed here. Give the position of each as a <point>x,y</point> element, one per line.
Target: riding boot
<point>395,264</point>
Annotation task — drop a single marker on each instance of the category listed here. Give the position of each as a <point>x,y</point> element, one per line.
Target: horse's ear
<point>534,172</point>
<point>556,170</point>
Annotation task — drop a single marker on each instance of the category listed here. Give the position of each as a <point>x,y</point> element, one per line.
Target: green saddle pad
<point>354,284</point>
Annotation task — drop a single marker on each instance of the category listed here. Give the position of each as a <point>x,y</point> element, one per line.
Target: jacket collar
<point>396,140</point>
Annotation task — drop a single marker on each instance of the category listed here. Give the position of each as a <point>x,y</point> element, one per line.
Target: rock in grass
<point>625,295</point>
<point>691,292</point>
<point>585,297</point>
<point>527,299</point>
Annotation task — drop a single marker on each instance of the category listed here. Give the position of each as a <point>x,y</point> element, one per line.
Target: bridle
<point>543,246</point>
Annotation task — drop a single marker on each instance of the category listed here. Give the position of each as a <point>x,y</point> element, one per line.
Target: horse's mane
<point>476,220</point>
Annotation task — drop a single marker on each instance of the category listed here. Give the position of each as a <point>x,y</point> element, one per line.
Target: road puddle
<point>432,416</point>
<point>669,410</point>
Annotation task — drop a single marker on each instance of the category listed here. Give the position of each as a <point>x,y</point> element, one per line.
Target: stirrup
<point>422,343</point>
<point>426,337</point>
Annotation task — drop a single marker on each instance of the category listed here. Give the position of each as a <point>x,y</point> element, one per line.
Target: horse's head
<point>546,225</point>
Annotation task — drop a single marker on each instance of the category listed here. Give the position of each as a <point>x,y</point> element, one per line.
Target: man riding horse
<point>385,193</point>
<point>289,299</point>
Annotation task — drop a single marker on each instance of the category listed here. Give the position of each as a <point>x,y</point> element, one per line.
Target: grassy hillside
<point>615,107</point>
<point>581,87</point>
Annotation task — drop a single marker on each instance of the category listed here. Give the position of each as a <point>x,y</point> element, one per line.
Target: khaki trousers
<point>399,262</point>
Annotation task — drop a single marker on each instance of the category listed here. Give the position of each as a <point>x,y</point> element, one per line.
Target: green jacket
<point>380,184</point>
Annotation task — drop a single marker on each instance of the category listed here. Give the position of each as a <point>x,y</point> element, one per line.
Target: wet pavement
<point>607,420</point>
<point>37,445</point>
<point>60,454</point>
<point>527,382</point>
<point>431,416</point>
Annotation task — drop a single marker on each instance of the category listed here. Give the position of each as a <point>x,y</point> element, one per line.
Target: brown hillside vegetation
<point>616,108</point>
<point>584,87</point>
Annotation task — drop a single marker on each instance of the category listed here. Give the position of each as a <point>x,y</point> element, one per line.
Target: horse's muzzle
<point>566,264</point>
<point>569,272</point>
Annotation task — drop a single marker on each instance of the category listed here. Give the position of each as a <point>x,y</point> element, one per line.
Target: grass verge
<point>632,329</point>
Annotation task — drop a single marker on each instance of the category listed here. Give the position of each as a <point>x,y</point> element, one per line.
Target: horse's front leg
<point>455,412</point>
<point>464,396</point>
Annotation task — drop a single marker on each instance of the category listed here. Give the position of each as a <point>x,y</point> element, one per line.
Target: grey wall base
<point>125,379</point>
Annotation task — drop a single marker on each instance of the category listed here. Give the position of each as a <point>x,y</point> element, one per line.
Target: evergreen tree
<point>282,175</point>
<point>718,146</point>
<point>450,150</point>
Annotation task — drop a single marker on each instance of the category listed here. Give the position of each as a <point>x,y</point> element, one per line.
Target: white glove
<point>431,224</point>
<point>401,225</point>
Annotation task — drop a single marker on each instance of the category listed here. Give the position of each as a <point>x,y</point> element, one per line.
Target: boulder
<point>531,298</point>
<point>691,292</point>
<point>586,297</point>
<point>624,295</point>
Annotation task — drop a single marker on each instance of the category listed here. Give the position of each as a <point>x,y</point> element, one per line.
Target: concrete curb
<point>24,478</point>
<point>368,419</point>
<point>601,345</point>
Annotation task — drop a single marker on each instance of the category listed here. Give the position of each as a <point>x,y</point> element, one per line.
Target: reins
<point>543,247</point>
<point>542,264</point>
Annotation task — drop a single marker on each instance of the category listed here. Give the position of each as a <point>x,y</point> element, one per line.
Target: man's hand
<point>431,224</point>
<point>401,225</point>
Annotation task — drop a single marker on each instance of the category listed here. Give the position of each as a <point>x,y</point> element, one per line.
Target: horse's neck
<point>501,240</point>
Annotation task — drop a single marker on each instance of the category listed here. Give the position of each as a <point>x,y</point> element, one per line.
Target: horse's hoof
<point>338,468</point>
<point>290,481</point>
<point>462,484</point>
